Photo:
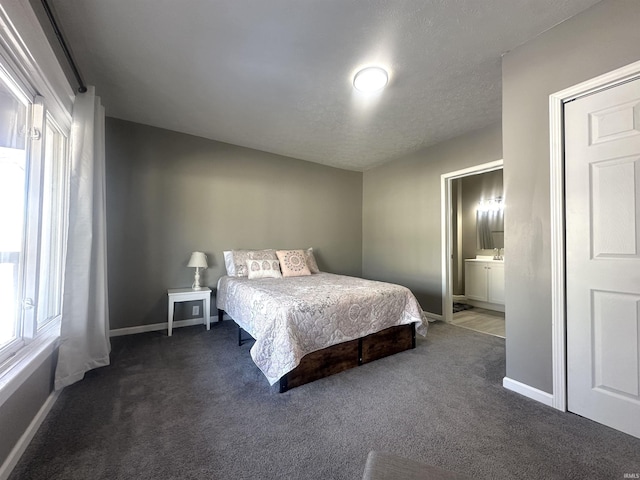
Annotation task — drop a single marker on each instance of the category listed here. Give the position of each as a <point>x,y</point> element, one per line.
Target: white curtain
<point>84,334</point>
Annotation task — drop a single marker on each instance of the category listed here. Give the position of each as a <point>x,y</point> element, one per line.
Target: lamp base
<point>196,280</point>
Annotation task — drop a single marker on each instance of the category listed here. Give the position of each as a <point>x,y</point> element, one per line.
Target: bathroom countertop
<point>483,260</point>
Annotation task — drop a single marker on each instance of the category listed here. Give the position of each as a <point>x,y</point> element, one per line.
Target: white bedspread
<point>292,316</point>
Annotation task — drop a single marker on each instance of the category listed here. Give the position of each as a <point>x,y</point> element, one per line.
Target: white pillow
<point>263,269</point>
<point>228,263</point>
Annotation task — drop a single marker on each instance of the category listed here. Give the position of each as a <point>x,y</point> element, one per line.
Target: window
<point>33,191</point>
<point>52,233</point>
<point>13,181</point>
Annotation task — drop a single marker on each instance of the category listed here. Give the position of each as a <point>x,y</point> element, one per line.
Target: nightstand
<point>188,295</point>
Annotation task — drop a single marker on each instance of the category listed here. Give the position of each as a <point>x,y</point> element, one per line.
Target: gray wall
<point>402,213</point>
<point>169,194</point>
<point>599,40</point>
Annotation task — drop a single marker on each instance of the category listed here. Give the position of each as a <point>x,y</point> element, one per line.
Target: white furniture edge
<point>445,226</point>
<point>528,391</point>
<point>481,260</point>
<point>178,295</point>
<point>19,448</point>
<point>556,133</point>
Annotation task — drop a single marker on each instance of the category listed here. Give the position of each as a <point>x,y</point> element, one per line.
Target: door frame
<point>446,228</point>
<point>558,273</point>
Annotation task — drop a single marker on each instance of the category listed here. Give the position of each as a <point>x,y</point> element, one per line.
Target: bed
<point>308,327</point>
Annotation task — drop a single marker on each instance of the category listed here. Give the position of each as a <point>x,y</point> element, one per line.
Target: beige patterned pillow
<point>266,254</point>
<point>293,263</point>
<point>263,269</point>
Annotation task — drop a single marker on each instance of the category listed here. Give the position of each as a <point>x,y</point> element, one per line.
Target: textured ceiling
<point>277,75</point>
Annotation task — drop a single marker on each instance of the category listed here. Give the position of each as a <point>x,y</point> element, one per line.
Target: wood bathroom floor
<point>481,320</point>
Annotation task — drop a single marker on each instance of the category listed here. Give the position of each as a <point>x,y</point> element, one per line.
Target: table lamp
<point>197,260</point>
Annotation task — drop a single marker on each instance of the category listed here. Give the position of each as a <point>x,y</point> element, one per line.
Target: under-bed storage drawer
<point>344,356</point>
<point>322,363</point>
<point>388,342</point>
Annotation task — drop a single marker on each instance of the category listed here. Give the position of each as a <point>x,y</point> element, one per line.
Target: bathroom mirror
<point>490,229</point>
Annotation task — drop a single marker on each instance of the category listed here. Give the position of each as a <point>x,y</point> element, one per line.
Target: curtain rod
<point>67,53</point>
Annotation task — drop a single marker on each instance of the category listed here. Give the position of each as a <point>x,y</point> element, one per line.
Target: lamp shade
<point>198,259</point>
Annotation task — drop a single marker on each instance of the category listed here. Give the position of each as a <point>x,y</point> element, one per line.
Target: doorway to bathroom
<point>473,248</point>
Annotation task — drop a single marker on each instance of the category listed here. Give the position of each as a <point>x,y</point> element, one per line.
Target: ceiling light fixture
<point>370,79</point>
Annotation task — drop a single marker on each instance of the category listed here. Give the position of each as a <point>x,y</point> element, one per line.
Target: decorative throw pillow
<point>311,261</point>
<point>240,262</point>
<point>293,263</point>
<point>240,258</point>
<point>266,254</point>
<point>263,269</point>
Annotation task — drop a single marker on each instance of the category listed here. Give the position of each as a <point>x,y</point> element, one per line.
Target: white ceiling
<point>277,75</point>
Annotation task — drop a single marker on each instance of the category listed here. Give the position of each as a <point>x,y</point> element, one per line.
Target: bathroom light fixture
<point>370,79</point>
<point>198,260</point>
<point>491,205</point>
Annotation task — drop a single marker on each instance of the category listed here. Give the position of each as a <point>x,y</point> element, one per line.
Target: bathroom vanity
<point>484,283</point>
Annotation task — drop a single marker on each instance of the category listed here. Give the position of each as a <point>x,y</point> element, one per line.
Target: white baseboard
<point>116,332</point>
<point>459,298</point>
<point>432,317</point>
<point>24,441</point>
<point>528,391</point>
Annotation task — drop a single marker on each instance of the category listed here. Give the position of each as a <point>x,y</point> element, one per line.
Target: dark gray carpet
<point>194,406</point>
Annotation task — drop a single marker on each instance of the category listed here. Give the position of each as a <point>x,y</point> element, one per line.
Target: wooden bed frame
<point>343,356</point>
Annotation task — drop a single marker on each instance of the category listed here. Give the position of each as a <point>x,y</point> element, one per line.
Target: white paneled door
<point>602,184</point>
